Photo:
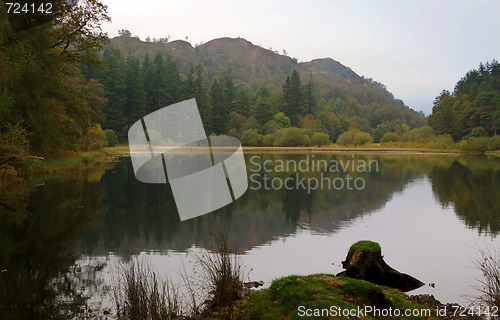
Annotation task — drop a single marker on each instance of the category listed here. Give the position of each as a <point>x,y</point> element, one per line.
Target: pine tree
<point>229,92</point>
<point>173,84</point>
<point>243,104</point>
<point>147,75</point>
<point>159,83</point>
<point>114,83</point>
<point>218,106</point>
<point>188,85</point>
<point>309,99</point>
<point>293,98</point>
<point>202,100</point>
<point>134,91</point>
<point>263,112</point>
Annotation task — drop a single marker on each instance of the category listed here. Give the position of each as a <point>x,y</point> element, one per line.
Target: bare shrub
<point>488,262</point>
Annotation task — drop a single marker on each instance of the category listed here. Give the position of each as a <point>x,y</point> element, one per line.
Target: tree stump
<point>364,261</point>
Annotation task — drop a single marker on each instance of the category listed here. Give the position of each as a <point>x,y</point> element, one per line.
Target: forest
<point>65,87</point>
<point>47,107</point>
<point>289,111</point>
<point>471,113</point>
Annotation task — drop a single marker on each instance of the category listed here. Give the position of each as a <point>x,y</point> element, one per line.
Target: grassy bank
<point>374,147</point>
<point>291,297</point>
<point>69,163</point>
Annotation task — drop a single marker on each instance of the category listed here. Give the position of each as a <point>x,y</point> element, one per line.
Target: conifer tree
<point>293,98</point>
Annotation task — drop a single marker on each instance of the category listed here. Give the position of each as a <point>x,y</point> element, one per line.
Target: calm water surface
<point>61,241</point>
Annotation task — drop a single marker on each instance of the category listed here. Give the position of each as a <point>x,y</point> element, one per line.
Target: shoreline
<point>79,161</point>
<point>374,148</point>
<point>337,297</point>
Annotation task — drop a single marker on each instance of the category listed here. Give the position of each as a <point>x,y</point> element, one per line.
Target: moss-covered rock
<point>324,294</point>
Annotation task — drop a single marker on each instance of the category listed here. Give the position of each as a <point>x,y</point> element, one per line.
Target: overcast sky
<point>416,48</point>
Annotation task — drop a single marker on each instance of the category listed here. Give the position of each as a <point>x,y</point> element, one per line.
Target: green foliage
<point>270,127</point>
<point>293,98</point>
<point>420,135</point>
<point>74,162</point>
<point>135,99</point>
<point>320,139</point>
<point>310,104</point>
<point>330,124</point>
<point>268,140</point>
<point>96,100</point>
<point>78,29</point>
<point>444,141</point>
<point>251,137</point>
<point>111,137</point>
<point>329,89</point>
<point>347,138</point>
<point>95,138</point>
<point>292,137</point>
<point>222,101</point>
<point>494,143</point>
<point>14,142</point>
<point>478,132</point>
<point>282,120</point>
<point>474,103</point>
<point>310,123</point>
<point>243,102</point>
<point>390,137</point>
<point>202,99</point>
<point>41,86</point>
<point>235,122</point>
<point>474,144</point>
<point>354,137</point>
<point>218,106</point>
<point>362,138</point>
<point>442,113</point>
<point>379,132</point>
<point>263,111</point>
<point>251,123</point>
<point>55,105</point>
<point>14,148</point>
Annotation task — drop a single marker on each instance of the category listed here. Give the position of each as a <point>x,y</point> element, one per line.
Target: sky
<point>415,48</point>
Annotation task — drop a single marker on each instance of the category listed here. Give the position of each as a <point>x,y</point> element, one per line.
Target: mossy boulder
<point>364,261</point>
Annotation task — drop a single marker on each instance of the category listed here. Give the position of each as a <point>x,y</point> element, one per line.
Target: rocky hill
<point>254,66</point>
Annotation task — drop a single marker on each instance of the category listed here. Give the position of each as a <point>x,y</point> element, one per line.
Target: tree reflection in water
<point>107,210</point>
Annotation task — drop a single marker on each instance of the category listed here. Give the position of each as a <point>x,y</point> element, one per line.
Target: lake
<point>63,238</point>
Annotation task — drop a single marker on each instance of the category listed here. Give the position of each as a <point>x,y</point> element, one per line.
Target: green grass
<point>73,162</point>
<point>321,291</point>
<point>366,245</point>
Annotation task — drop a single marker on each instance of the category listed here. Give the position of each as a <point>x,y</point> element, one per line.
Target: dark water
<point>60,241</point>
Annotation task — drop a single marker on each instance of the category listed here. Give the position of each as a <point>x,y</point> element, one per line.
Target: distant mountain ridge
<point>253,65</point>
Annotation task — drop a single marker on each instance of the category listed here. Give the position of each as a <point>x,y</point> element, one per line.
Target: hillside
<point>254,66</point>
<point>246,91</point>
